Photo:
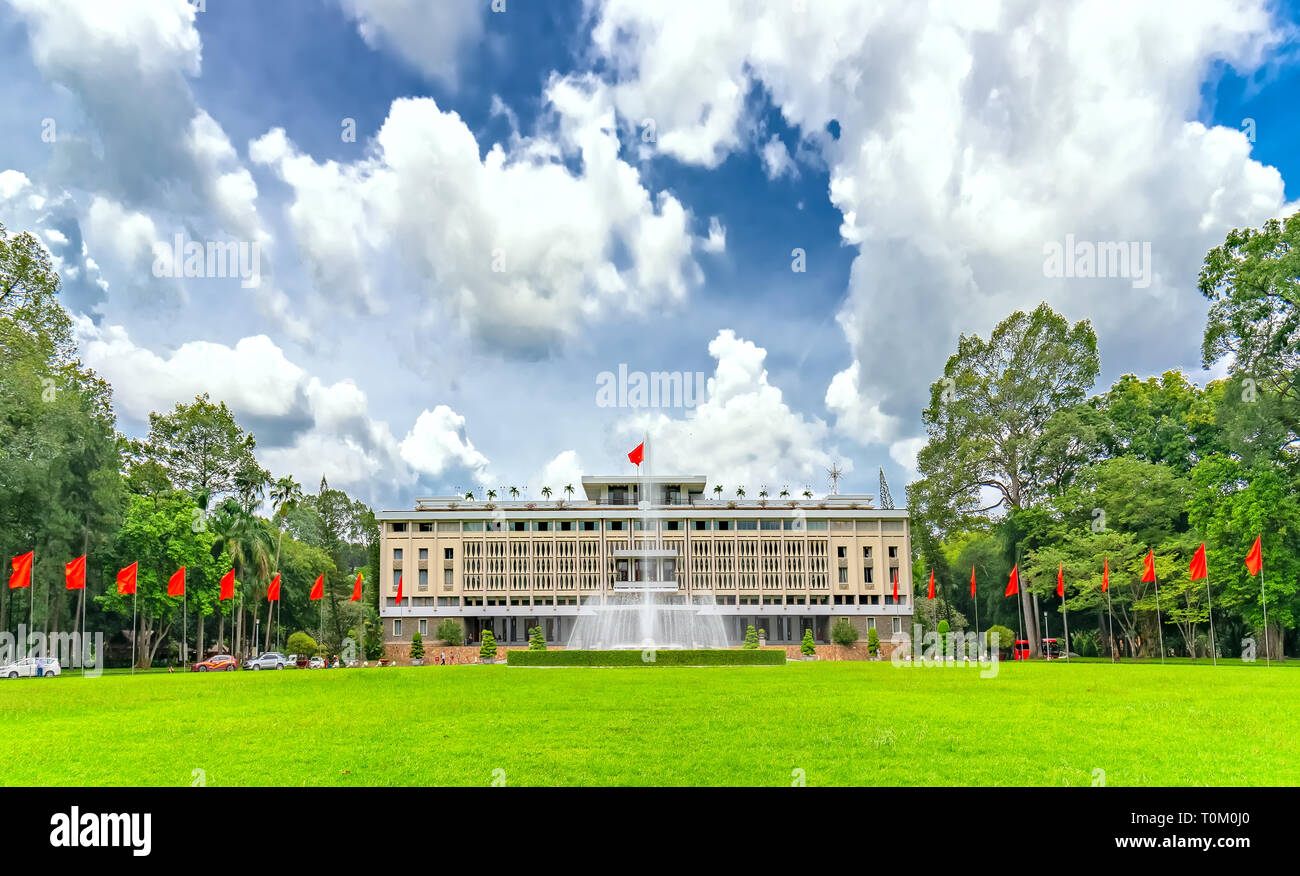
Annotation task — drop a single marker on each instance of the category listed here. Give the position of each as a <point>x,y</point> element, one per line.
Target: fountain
<point>646,610</point>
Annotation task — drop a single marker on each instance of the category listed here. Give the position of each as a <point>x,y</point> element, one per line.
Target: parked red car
<point>219,663</point>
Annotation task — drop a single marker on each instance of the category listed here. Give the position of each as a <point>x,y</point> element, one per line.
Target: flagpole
<point>975,600</point>
<point>1214,647</point>
<point>1114,645</point>
<point>1159,624</point>
<point>135,630</point>
<point>1066,613</point>
<point>1268,661</point>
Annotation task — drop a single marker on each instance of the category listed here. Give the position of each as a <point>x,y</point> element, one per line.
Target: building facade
<point>783,565</point>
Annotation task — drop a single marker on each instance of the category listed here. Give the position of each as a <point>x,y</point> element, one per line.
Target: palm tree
<point>245,539</point>
<point>568,491</point>
<point>717,490</point>
<point>469,497</point>
<point>514,492</point>
<point>807,494</point>
<point>740,492</point>
<point>546,493</point>
<point>491,494</point>
<point>785,493</point>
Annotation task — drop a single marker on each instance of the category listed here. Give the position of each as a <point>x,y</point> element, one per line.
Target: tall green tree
<point>987,415</point>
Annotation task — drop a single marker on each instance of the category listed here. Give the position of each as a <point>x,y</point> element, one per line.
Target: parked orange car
<point>219,663</point>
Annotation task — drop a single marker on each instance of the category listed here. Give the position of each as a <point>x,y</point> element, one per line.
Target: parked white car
<point>32,667</point>
<point>269,660</point>
<point>316,663</point>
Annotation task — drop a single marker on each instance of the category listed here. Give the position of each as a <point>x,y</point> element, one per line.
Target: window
<point>397,553</point>
<point>866,575</point>
<point>447,579</point>
<point>817,525</point>
<point>542,526</point>
<point>425,527</point>
<point>844,574</point>
<point>397,527</point>
<point>866,553</point>
<point>589,526</point>
<point>424,553</point>
<point>871,623</point>
<point>519,526</point>
<point>397,577</point>
<point>424,579</point>
<point>769,524</point>
<point>747,524</point>
<point>614,525</point>
<point>672,525</point>
<point>724,525</point>
<point>893,552</point>
<point>397,628</point>
<point>448,553</point>
<point>898,624</point>
<point>473,525</point>
<point>566,526</point>
<point>841,551</point>
<point>424,627</point>
<point>702,525</point>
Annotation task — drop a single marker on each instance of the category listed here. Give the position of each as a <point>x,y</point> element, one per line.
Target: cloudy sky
<point>463,212</point>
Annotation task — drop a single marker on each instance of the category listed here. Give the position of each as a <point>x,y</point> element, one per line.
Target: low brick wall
<point>856,651</point>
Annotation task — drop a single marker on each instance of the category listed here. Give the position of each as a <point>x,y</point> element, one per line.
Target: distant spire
<point>886,500</point>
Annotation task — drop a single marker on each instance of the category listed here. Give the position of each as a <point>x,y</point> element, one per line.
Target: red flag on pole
<point>637,456</point>
<point>1060,581</point>
<point>75,572</point>
<point>972,582</point>
<point>318,589</point>
<point>931,596</point>
<point>126,580</point>
<point>273,592</point>
<point>227,586</point>
<point>1013,586</point>
<point>399,589</point>
<point>21,576</point>
<point>176,583</point>
<point>895,586</point>
<point>356,590</point>
<point>1149,571</point>
<point>1254,559</point>
<point>1105,574</point>
<point>1198,567</point>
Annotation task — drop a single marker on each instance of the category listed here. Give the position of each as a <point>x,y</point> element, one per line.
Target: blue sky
<point>920,158</point>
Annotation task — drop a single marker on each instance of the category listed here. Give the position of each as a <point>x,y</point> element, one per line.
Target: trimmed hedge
<point>714,657</point>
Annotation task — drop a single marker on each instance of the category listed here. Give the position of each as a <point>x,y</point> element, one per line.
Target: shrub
<point>536,639</point>
<point>843,632</point>
<point>488,649</point>
<point>751,639</point>
<point>873,642</point>
<point>717,657</point>
<point>301,643</point>
<point>1006,638</point>
<point>417,646</point>
<point>808,647</point>
<point>943,628</point>
<point>451,632</point>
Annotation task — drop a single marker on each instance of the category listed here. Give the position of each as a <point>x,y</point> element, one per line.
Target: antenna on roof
<point>886,500</point>
<point>835,473</point>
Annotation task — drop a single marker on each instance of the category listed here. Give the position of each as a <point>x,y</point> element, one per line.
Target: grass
<point>838,723</point>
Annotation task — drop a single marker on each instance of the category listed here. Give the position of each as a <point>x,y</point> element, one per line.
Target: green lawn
<point>839,723</point>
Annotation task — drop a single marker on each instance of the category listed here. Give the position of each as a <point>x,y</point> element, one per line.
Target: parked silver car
<point>269,660</point>
<point>32,667</point>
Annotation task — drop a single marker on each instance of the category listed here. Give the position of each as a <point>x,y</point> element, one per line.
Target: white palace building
<point>783,565</point>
